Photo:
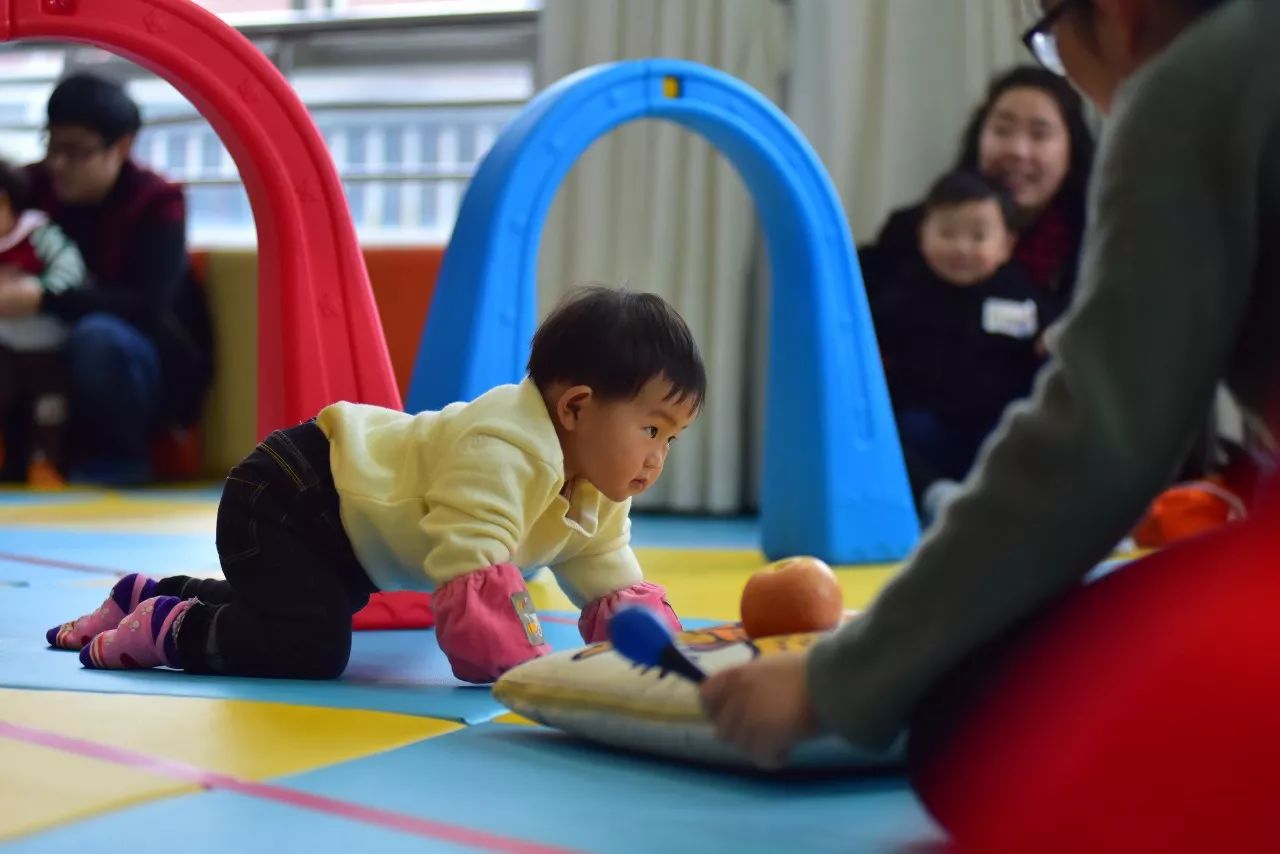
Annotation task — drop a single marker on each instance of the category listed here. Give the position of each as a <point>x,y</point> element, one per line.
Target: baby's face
<point>622,445</point>
<point>965,244</point>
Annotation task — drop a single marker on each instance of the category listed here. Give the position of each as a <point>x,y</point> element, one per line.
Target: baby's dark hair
<point>615,341</point>
<point>94,102</point>
<point>15,187</point>
<point>961,187</point>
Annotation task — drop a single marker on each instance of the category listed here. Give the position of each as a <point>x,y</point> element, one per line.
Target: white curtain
<point>882,89</point>
<point>654,206</point>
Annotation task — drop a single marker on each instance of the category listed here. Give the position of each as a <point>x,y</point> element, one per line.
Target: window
<point>406,107</point>
<point>233,7</point>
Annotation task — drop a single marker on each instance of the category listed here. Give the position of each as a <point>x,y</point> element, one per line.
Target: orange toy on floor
<point>1186,510</point>
<point>791,596</point>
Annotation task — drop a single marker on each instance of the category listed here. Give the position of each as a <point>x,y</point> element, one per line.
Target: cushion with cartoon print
<point>597,694</point>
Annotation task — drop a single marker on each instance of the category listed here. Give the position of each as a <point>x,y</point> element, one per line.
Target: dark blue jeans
<point>114,383</point>
<point>934,449</point>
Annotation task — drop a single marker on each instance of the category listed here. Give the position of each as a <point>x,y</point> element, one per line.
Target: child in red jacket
<point>33,402</point>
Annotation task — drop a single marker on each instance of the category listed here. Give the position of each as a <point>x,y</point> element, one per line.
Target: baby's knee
<point>329,651</point>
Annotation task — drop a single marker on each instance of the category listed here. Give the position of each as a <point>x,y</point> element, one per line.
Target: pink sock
<point>124,597</point>
<point>145,638</point>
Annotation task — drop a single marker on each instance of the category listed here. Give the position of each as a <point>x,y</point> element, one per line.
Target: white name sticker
<point>1006,317</point>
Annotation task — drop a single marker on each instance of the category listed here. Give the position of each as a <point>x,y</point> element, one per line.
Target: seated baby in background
<point>959,330</point>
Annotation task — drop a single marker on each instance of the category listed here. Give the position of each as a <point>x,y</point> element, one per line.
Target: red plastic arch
<point>319,337</point>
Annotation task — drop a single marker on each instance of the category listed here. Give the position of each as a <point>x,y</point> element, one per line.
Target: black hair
<point>961,187</point>
<point>615,341</point>
<point>96,103</point>
<point>1072,194</point>
<point>15,187</point>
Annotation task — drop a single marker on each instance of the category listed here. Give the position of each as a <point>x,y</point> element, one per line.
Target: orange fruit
<point>790,596</point>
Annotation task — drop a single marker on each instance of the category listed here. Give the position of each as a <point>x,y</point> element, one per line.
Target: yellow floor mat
<point>41,787</point>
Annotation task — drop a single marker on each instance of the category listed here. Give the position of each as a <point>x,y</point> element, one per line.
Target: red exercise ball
<point>1140,714</point>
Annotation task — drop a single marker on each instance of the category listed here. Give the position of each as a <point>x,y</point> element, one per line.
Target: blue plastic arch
<point>833,484</point>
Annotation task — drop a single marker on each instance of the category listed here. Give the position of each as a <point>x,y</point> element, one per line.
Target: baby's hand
<point>486,623</point>
<point>20,294</point>
<point>593,624</point>
<point>762,708</point>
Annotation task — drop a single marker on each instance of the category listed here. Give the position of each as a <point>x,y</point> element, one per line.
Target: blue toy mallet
<point>639,635</point>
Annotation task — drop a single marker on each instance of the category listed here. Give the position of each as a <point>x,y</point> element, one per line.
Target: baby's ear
<point>570,403</point>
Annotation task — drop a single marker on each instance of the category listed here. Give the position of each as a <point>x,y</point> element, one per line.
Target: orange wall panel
<point>403,280</point>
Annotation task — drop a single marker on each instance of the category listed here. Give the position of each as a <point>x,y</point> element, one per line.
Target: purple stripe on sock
<point>122,593</point>
<point>163,605</point>
<point>168,644</point>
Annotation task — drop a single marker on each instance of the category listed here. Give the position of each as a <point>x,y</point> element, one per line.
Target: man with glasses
<point>139,352</point>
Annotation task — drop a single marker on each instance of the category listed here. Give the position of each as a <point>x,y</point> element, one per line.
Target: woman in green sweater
<point>1179,290</point>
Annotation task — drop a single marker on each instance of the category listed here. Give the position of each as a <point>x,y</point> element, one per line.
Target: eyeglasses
<point>71,152</point>
<point>1039,36</point>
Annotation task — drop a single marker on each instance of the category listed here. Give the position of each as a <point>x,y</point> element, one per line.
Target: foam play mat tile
<point>709,582</point>
<point>694,532</point>
<point>237,737</point>
<point>548,789</point>
<point>110,553</point>
<point>400,671</point>
<point>43,787</point>
<point>25,572</point>
<point>526,790</point>
<point>251,741</point>
<point>10,497</point>
<point>376,760</point>
<point>514,719</point>
<point>158,512</point>
<point>231,822</point>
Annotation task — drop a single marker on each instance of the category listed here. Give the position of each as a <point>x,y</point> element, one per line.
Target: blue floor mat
<point>163,554</point>
<point>694,532</point>
<point>539,790</point>
<point>23,574</point>
<point>401,672</point>
<point>227,822</point>
<point>548,788</point>
<point>25,498</point>
<point>110,553</point>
